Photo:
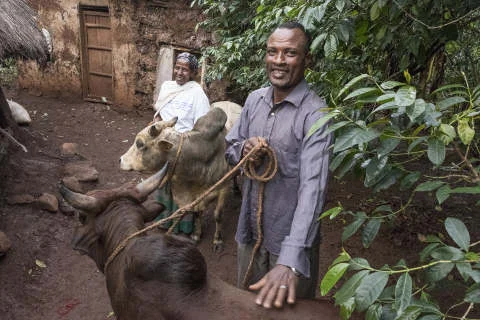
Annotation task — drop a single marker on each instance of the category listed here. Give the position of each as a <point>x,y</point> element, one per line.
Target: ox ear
<point>156,128</point>
<point>165,145</point>
<point>212,123</point>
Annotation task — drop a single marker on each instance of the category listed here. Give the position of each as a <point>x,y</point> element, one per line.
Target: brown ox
<point>163,277</point>
<point>200,163</point>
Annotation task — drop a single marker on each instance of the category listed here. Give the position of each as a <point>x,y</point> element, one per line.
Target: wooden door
<point>97,71</point>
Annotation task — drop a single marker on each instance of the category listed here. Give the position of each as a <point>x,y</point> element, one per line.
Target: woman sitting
<point>183,98</point>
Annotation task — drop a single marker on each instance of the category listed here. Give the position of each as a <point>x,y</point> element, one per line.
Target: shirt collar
<point>295,97</point>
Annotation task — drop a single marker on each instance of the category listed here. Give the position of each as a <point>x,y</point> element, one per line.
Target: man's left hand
<point>278,284</point>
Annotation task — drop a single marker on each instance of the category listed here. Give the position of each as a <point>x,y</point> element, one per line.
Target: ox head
<point>86,238</point>
<point>145,153</point>
<point>159,142</point>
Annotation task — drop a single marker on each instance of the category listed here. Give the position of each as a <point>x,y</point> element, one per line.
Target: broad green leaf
<point>388,179</point>
<point>332,276</point>
<point>475,274</point>
<point>347,290</point>
<point>465,132</point>
<point>370,231</point>
<point>333,128</point>
<point>468,190</point>
<point>451,101</point>
<point>353,227</point>
<point>347,308</point>
<point>321,122</point>
<point>448,87</point>
<point>427,251</point>
<point>374,168</point>
<point>342,257</point>
<point>387,85</point>
<point>415,143</point>
<point>473,294</point>
<point>351,83</point>
<point>374,11</point>
<point>438,271</point>
<point>464,268</point>
<point>370,289</point>
<point>405,96</point>
<point>358,264</point>
<point>340,4</point>
<point>429,186</point>
<point>387,146</point>
<point>317,41</point>
<point>448,133</point>
<point>436,150</point>
<point>354,136</point>
<point>374,312</point>
<point>332,212</point>
<point>383,208</point>
<point>416,109</point>
<point>458,232</point>
<point>409,180</point>
<point>330,46</point>
<point>403,293</point>
<point>411,313</point>
<point>442,193</point>
<point>385,97</point>
<point>343,32</point>
<point>447,253</point>
<point>361,92</point>
<point>348,164</point>
<point>338,159</point>
<point>386,106</point>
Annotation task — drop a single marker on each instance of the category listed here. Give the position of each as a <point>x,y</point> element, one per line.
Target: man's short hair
<point>297,25</point>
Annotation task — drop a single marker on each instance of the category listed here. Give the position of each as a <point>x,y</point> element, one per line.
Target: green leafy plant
<point>383,130</point>
<point>392,293</point>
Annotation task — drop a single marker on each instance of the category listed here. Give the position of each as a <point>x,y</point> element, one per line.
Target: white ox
<point>200,164</point>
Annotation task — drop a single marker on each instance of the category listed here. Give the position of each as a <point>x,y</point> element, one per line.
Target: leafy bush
<point>383,130</point>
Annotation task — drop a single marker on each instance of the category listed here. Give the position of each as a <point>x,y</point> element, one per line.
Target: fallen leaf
<point>111,314</point>
<point>40,263</point>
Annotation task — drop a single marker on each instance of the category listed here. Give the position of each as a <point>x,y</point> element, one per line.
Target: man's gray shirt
<point>294,198</point>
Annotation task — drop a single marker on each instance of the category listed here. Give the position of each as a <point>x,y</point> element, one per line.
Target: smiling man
<point>286,265</point>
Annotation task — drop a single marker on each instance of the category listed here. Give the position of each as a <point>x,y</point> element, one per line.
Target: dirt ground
<point>43,278</point>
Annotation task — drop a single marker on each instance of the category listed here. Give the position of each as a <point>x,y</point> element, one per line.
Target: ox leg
<point>218,238</point>
<point>197,231</point>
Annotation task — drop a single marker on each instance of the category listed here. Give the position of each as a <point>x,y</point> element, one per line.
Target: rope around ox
<point>249,170</point>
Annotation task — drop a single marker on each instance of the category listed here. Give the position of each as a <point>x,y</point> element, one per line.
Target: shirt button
<point>272,114</point>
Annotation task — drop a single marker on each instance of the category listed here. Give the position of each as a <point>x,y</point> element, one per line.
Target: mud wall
<point>139,29</point>
<point>61,74</point>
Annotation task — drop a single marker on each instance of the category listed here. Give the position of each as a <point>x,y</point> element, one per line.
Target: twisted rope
<point>183,210</point>
<point>267,175</point>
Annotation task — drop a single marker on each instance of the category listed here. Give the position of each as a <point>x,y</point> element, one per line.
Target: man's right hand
<point>251,143</point>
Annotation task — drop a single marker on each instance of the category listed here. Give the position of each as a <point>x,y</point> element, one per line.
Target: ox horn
<point>79,201</point>
<point>147,186</point>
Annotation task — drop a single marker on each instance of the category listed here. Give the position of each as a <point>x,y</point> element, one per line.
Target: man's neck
<point>280,95</point>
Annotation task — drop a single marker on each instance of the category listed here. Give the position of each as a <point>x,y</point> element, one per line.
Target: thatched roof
<point>19,33</point>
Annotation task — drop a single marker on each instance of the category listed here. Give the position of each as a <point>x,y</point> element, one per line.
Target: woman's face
<point>182,72</point>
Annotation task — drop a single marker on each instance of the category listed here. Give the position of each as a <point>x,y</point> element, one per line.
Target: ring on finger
<point>283,286</point>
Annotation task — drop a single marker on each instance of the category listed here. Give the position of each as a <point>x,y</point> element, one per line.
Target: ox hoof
<point>218,246</point>
<point>195,238</point>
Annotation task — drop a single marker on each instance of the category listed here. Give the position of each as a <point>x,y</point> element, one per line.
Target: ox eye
<point>139,144</point>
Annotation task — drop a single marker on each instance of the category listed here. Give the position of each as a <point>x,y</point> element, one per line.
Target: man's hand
<point>252,143</point>
<point>278,284</point>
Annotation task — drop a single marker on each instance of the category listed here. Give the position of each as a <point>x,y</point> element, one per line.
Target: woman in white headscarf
<point>183,97</point>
